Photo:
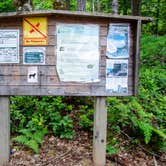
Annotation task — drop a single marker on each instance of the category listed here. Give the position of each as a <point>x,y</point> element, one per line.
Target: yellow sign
<point>35,31</point>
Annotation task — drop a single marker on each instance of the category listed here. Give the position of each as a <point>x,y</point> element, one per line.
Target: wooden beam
<point>4,130</point>
<point>99,132</point>
<point>137,57</point>
<point>74,14</point>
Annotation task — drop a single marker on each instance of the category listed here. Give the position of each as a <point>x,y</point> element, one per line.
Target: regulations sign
<point>34,55</point>
<point>78,52</point>
<point>9,46</point>
<point>35,31</point>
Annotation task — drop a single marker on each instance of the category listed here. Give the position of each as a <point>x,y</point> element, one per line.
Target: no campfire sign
<point>35,31</point>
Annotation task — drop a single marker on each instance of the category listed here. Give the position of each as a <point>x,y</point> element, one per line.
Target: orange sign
<point>35,31</point>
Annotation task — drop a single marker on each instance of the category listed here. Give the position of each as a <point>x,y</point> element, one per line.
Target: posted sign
<point>35,31</point>
<point>78,52</point>
<point>9,46</point>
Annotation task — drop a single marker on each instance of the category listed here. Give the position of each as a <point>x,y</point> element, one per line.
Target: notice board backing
<point>35,73</point>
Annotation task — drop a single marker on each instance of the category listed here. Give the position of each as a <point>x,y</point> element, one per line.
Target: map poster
<point>9,46</point>
<point>117,76</point>
<point>34,55</point>
<point>118,41</point>
<point>78,52</point>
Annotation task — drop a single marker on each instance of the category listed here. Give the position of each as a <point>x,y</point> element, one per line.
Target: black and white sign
<point>9,46</point>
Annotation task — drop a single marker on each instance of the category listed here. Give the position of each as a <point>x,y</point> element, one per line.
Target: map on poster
<point>9,46</point>
<point>34,55</point>
<point>117,76</point>
<point>118,41</point>
<point>78,52</point>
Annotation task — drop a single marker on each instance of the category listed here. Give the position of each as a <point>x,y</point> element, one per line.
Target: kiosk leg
<point>99,131</point>
<point>4,130</point>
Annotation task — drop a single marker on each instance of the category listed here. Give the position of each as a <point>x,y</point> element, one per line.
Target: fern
<point>147,131</point>
<point>33,145</point>
<point>22,139</point>
<point>31,139</point>
<point>39,135</point>
<point>160,133</point>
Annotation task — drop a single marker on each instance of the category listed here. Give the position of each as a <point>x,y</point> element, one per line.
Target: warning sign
<point>35,31</point>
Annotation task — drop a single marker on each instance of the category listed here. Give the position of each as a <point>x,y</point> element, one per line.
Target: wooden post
<point>4,130</point>
<point>137,57</point>
<point>99,131</point>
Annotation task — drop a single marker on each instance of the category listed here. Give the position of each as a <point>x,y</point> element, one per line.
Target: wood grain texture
<point>80,14</point>
<point>99,131</point>
<point>4,130</point>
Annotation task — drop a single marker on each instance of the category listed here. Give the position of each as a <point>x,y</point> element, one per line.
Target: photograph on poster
<point>9,46</point>
<point>32,76</point>
<point>117,76</point>
<point>34,55</point>
<point>118,41</point>
<point>78,52</point>
<point>117,68</point>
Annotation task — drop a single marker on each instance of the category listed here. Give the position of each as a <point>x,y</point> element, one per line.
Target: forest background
<point>141,119</point>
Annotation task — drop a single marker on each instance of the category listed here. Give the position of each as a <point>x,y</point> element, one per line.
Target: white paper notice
<point>32,75</point>
<point>118,41</point>
<point>117,76</point>
<point>78,52</point>
<point>9,46</point>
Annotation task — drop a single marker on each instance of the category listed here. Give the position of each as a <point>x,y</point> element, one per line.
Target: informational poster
<point>118,41</point>
<point>34,55</point>
<point>78,52</point>
<point>9,46</point>
<point>117,76</point>
<point>32,76</point>
<point>35,31</point>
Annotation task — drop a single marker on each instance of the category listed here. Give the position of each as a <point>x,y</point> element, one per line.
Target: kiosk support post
<point>100,131</point>
<point>4,130</point>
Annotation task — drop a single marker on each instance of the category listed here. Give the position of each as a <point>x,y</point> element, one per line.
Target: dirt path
<point>78,152</point>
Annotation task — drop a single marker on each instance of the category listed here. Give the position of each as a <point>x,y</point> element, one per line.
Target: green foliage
<point>153,52</point>
<point>31,139</point>
<point>62,126</point>
<point>86,118</point>
<point>6,6</point>
<point>38,113</point>
<point>144,116</point>
<point>42,5</point>
<point>111,150</point>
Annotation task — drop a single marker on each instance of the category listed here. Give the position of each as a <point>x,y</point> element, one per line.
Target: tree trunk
<point>81,5</point>
<point>135,7</point>
<point>98,6</point>
<point>67,4</point>
<point>93,5</point>
<point>114,6</point>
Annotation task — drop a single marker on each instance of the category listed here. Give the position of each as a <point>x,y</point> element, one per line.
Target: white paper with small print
<point>78,52</point>
<point>9,46</point>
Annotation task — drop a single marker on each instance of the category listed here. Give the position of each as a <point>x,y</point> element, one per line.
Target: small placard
<point>35,31</point>
<point>34,55</point>
<point>32,75</point>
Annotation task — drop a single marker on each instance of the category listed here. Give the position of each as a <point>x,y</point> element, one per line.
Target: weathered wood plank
<point>73,14</point>
<point>99,131</point>
<point>136,59</point>
<point>4,130</point>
